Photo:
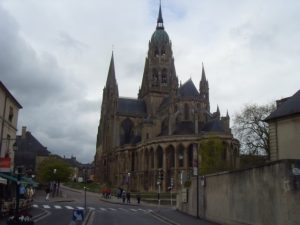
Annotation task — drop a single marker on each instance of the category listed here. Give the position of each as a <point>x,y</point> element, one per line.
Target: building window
<point>155,78</point>
<point>159,153</point>
<point>164,77</point>
<point>186,111</point>
<point>11,114</point>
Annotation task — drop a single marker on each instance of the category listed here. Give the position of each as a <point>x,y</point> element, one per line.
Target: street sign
<point>78,215</point>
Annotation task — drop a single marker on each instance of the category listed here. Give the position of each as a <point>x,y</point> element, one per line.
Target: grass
<point>93,187</point>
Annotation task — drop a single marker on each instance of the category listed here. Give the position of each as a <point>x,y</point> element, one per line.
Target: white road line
<point>79,207</point>
<point>142,210</point>
<point>35,206</point>
<point>123,209</point>
<point>57,206</point>
<point>103,209</point>
<point>46,206</point>
<point>112,209</point>
<point>69,207</point>
<point>134,210</point>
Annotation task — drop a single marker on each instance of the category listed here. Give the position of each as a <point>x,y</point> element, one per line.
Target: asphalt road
<point>59,211</point>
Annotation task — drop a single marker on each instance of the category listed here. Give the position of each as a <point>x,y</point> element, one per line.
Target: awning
<point>3,181</point>
<point>8,176</point>
<point>23,180</point>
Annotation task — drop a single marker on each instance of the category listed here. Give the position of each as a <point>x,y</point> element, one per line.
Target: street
<point>59,211</point>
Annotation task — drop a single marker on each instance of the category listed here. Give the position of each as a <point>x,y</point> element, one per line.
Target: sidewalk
<point>40,195</point>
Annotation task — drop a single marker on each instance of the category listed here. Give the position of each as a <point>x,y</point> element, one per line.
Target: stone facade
<point>161,129</point>
<point>284,125</point>
<point>9,110</point>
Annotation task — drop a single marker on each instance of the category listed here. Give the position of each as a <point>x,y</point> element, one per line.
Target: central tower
<point>159,78</point>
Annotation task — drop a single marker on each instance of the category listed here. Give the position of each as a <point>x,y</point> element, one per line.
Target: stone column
<point>164,183</point>
<point>186,160</point>
<point>176,152</point>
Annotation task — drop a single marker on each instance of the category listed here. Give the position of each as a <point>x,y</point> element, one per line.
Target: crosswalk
<point>101,209</point>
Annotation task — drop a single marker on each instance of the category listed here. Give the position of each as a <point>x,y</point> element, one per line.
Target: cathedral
<point>159,133</point>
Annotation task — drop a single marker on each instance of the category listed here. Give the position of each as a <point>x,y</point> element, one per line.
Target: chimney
<point>23,132</point>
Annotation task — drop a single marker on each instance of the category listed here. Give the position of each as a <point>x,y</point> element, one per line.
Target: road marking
<point>112,209</point>
<point>103,209</point>
<point>123,209</point>
<point>35,206</point>
<point>57,206</point>
<point>142,210</point>
<point>79,207</point>
<point>69,207</point>
<point>46,206</point>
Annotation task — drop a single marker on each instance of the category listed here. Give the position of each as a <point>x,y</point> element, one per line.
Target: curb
<point>164,219</point>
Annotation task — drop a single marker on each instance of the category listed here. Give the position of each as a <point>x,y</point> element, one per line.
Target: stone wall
<point>262,195</point>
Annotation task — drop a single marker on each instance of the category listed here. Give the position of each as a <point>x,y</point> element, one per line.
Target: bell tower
<point>159,78</point>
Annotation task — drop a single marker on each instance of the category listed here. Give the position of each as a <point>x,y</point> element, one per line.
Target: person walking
<point>128,197</point>
<point>123,196</point>
<point>138,197</point>
<point>47,193</point>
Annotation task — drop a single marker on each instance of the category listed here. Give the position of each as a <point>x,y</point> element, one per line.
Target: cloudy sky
<point>54,57</point>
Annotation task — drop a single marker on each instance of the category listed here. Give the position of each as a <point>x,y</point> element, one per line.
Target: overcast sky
<point>54,57</point>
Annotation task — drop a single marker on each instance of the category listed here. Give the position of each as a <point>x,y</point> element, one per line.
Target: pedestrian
<point>128,197</point>
<point>123,196</point>
<point>138,197</point>
<point>47,190</point>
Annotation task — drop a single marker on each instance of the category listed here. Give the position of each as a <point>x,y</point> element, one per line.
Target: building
<point>159,133</point>
<point>9,110</point>
<point>29,148</point>
<point>284,128</point>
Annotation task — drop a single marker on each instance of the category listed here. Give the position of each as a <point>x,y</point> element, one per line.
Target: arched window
<point>156,52</point>
<point>159,154</point>
<point>126,133</point>
<point>190,155</point>
<point>186,111</point>
<point>152,158</point>
<point>180,156</point>
<point>171,157</point>
<point>165,126</point>
<point>154,77</point>
<point>164,77</point>
<point>163,51</point>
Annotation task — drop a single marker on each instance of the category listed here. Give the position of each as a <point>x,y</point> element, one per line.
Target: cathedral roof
<point>290,107</point>
<point>185,127</point>
<point>129,106</point>
<point>213,126</point>
<point>188,89</point>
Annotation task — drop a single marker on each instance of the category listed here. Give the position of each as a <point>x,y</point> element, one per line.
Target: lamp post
<point>128,181</point>
<point>54,182</point>
<point>85,182</point>
<point>18,171</point>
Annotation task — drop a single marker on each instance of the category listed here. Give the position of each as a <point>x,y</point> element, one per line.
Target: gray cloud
<point>56,60</point>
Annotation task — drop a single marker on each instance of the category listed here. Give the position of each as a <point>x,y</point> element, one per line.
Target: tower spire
<point>111,82</point>
<point>160,21</point>
<point>111,77</point>
<point>203,78</point>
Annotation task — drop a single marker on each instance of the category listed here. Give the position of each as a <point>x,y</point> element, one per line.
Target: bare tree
<point>251,130</point>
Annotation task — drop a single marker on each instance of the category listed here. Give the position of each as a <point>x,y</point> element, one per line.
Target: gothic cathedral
<point>160,131</point>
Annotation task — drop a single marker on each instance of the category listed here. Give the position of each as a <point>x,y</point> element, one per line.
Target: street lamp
<point>85,183</point>
<point>128,180</point>
<point>18,171</point>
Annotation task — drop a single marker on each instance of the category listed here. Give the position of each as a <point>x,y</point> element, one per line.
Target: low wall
<point>263,195</point>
